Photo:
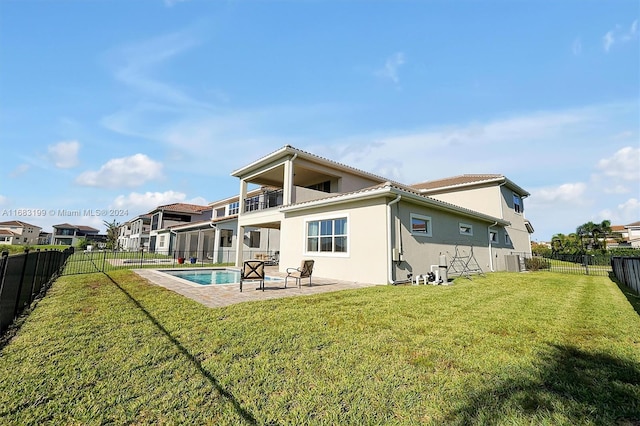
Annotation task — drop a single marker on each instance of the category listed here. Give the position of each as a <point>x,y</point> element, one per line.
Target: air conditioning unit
<point>513,262</point>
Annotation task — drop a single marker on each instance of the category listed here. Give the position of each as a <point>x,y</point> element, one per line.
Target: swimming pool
<point>211,276</point>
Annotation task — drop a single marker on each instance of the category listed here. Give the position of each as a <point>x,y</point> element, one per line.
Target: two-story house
<point>66,234</point>
<point>133,234</point>
<point>163,218</point>
<point>217,237</point>
<point>19,233</point>
<point>362,227</point>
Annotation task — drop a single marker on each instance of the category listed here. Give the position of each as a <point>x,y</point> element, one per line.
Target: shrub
<point>537,263</point>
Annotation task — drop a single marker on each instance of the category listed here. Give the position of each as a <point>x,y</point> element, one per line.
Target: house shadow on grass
<point>573,387</point>
<point>244,414</point>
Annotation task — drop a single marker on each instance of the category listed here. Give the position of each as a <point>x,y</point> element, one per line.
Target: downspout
<point>390,248</point>
<point>491,247</point>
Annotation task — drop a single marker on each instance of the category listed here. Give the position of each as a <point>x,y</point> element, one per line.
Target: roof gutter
<point>390,248</point>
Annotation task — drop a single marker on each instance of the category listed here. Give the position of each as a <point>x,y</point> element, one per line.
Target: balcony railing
<point>266,200</point>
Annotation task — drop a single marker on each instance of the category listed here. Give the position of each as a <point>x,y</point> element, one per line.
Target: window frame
<point>346,235</point>
<point>517,203</point>
<point>497,236</point>
<point>428,225</point>
<point>465,225</point>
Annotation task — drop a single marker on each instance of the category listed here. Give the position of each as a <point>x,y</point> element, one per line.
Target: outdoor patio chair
<point>304,271</point>
<point>252,270</point>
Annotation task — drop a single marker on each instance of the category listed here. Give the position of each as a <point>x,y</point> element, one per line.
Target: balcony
<point>266,200</point>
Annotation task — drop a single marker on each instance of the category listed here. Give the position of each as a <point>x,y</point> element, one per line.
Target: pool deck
<point>216,296</point>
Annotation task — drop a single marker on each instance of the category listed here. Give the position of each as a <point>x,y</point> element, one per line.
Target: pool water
<point>211,276</point>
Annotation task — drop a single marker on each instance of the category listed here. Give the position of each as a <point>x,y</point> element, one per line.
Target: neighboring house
<point>620,238</point>
<point>358,226</point>
<point>44,238</point>
<point>217,238</point>
<point>66,234</point>
<point>134,234</point>
<point>161,239</point>
<point>139,235</point>
<point>633,231</point>
<point>19,233</point>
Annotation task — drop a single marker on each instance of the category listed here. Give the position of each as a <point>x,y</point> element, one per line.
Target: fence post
<point>3,268</point>
<point>35,276</point>
<point>585,261</point>
<point>24,267</point>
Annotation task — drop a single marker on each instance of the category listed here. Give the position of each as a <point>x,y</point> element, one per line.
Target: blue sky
<point>129,105</point>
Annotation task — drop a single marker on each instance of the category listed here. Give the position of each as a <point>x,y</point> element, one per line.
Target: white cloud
<point>64,154</point>
<point>619,35</point>
<point>608,40</point>
<point>576,47</point>
<point>391,67</point>
<point>3,200</point>
<point>20,170</point>
<point>128,171</point>
<point>624,165</point>
<point>134,64</point>
<point>624,213</point>
<point>145,202</point>
<point>565,193</point>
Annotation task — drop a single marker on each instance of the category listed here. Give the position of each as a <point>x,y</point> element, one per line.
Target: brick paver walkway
<point>228,294</point>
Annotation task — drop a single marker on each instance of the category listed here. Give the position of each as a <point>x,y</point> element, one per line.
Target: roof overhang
<point>273,160</point>
<point>388,190</point>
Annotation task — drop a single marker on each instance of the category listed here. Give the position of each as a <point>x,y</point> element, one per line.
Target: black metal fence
<point>599,265</point>
<point>86,262</point>
<point>627,271</point>
<point>23,277</point>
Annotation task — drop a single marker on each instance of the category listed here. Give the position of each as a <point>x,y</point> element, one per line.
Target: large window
<point>420,225</point>
<point>327,236</point>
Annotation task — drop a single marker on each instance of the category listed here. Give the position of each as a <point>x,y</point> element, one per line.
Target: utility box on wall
<point>513,262</point>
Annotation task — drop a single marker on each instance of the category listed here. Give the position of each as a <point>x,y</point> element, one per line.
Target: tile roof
<point>17,223</point>
<point>80,227</point>
<point>396,188</point>
<point>183,208</point>
<point>7,232</point>
<point>308,155</point>
<point>456,180</point>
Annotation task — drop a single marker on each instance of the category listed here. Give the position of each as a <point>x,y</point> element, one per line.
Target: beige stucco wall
<point>485,200</point>
<point>495,201</point>
<point>366,260</point>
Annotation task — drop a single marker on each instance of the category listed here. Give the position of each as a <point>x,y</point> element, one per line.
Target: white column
<point>240,246</point>
<point>243,195</point>
<point>287,186</point>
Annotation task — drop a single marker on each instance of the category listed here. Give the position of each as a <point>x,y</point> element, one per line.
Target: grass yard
<point>537,348</point>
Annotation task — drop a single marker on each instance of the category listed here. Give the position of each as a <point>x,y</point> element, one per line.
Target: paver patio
<point>216,296</point>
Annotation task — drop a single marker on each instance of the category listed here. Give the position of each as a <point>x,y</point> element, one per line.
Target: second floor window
<point>234,207</point>
<point>517,203</point>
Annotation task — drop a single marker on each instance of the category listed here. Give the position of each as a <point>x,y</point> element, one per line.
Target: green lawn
<point>536,348</point>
